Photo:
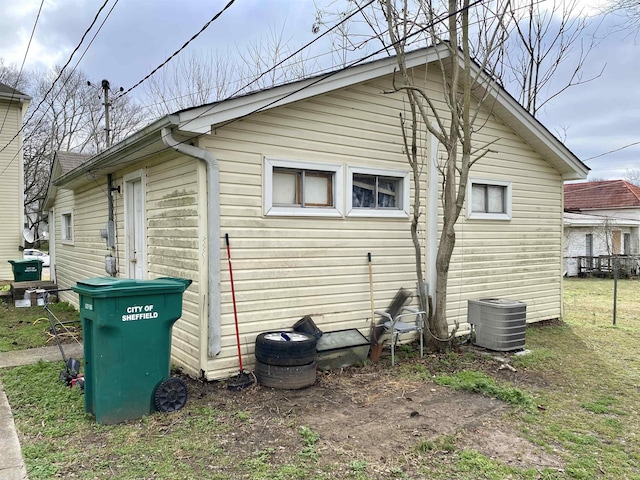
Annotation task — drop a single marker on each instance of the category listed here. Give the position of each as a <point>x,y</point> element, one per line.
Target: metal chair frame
<point>396,326</point>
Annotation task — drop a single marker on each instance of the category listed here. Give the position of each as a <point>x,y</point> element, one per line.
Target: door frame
<point>129,218</point>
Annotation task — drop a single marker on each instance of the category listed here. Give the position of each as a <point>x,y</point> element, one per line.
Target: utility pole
<point>107,104</point>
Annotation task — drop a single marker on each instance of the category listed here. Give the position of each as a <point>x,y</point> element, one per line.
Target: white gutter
<point>432,214</point>
<point>213,233</point>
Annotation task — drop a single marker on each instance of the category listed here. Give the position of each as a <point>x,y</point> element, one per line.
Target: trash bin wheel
<point>170,395</point>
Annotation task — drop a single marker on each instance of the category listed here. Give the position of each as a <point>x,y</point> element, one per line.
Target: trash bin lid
<point>25,262</point>
<point>102,287</point>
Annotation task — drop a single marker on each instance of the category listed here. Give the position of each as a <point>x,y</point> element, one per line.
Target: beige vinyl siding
<point>287,267</point>
<point>176,247</point>
<point>11,187</point>
<point>520,259</point>
<point>173,239</point>
<point>84,258</point>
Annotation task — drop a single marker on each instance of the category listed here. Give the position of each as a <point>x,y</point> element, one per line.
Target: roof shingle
<point>70,160</point>
<point>604,194</point>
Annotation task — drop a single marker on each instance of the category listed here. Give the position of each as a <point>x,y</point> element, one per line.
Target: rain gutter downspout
<point>213,232</point>
<point>432,214</point>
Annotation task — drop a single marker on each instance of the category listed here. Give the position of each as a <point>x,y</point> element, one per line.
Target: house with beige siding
<point>13,106</point>
<point>306,179</point>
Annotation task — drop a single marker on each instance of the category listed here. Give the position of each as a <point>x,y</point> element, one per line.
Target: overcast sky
<point>592,119</point>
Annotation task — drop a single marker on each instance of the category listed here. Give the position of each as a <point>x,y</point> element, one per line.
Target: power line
<point>57,78</point>
<point>355,12</point>
<point>245,78</point>
<point>24,59</point>
<point>95,19</point>
<point>612,151</point>
<point>206,25</point>
<point>318,80</point>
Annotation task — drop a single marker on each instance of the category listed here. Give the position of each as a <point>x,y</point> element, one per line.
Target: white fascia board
<point>115,153</point>
<point>594,221</point>
<point>203,119</point>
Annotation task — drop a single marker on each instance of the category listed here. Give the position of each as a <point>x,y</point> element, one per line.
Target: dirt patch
<point>376,415</point>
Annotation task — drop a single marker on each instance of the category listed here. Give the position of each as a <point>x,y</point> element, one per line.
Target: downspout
<point>213,232</point>
<point>432,215</point>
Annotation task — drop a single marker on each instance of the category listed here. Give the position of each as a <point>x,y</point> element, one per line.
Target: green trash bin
<point>26,270</point>
<point>126,326</point>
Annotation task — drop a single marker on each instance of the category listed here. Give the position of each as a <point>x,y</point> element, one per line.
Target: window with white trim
<point>302,188</point>
<point>66,227</point>
<point>375,192</point>
<point>489,199</point>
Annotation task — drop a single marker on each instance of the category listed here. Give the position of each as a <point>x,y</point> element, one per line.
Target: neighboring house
<point>13,106</point>
<point>63,162</point>
<point>307,178</point>
<point>601,219</point>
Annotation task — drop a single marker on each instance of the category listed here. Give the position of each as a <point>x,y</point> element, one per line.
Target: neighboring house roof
<point>7,92</point>
<point>70,160</point>
<point>203,119</point>
<point>585,220</point>
<point>605,194</point>
<point>63,163</point>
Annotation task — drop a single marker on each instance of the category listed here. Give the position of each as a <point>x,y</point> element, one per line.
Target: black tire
<point>287,378</point>
<point>170,395</point>
<point>286,349</point>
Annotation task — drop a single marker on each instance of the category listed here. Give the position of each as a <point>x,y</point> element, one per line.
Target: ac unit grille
<point>499,323</point>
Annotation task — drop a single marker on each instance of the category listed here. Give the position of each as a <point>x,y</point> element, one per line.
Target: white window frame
<point>338,189</point>
<point>489,216</point>
<point>401,212</point>
<point>63,227</point>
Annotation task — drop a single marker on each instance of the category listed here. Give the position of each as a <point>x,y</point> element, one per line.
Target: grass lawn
<point>570,411</point>
<point>29,327</point>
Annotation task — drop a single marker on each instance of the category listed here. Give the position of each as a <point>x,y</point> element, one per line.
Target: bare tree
<point>454,129</point>
<point>628,9</point>
<point>478,38</point>
<point>270,61</point>
<point>547,36</point>
<point>203,78</point>
<point>10,75</point>
<point>69,117</point>
<point>408,24</point>
<point>195,79</point>
<point>632,175</point>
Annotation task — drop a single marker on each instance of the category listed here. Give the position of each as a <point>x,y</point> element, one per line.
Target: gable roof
<point>8,92</point>
<point>202,120</point>
<point>63,163</point>
<point>601,195</point>
<point>70,160</point>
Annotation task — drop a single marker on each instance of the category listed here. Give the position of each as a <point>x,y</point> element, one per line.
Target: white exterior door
<point>52,244</point>
<point>135,231</point>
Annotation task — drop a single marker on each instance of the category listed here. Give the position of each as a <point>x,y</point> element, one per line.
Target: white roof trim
<point>203,119</point>
<point>582,220</point>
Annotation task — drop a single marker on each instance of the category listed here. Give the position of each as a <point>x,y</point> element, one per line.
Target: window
<point>66,226</point>
<point>489,200</point>
<point>377,192</point>
<point>627,244</point>
<point>302,188</point>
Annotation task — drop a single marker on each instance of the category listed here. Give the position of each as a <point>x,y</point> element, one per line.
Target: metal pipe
<point>213,233</point>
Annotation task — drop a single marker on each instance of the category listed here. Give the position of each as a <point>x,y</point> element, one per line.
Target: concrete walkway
<point>11,463</point>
